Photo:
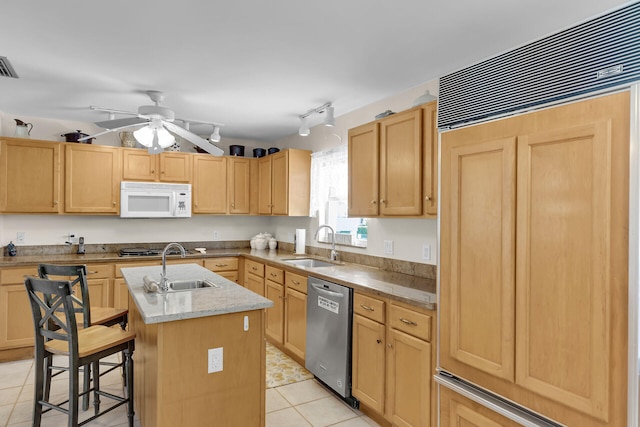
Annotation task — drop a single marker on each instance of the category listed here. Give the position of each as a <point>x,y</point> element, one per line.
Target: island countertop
<point>159,307</point>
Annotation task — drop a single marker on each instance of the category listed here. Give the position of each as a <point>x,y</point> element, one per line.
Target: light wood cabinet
<point>393,165</point>
<point>393,362</point>
<point>30,176</point>
<point>120,289</point>
<point>100,283</point>
<point>295,314</point>
<point>226,267</point>
<point>139,165</point>
<point>209,184</point>
<point>92,179</point>
<point>534,259</point>
<point>458,411</point>
<point>239,185</point>
<point>16,320</point>
<point>254,276</point>
<point>274,291</point>
<point>284,180</point>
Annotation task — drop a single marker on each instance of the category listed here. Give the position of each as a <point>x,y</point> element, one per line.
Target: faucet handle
<point>334,255</point>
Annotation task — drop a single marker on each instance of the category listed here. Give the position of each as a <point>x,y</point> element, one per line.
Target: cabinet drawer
<point>221,264</point>
<point>296,281</point>
<point>119,266</point>
<point>410,321</point>
<point>99,271</point>
<point>15,275</point>
<point>369,307</point>
<point>254,267</point>
<point>231,275</point>
<point>274,274</point>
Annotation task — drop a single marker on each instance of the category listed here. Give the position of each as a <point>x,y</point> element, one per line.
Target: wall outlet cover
<point>215,356</point>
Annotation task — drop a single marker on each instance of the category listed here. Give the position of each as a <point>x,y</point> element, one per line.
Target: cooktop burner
<point>146,252</point>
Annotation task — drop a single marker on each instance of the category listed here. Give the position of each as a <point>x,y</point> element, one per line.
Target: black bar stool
<point>86,314</point>
<point>57,333</point>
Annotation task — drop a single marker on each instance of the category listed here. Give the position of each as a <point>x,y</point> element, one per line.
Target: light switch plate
<point>426,252</point>
<point>388,247</point>
<point>21,237</point>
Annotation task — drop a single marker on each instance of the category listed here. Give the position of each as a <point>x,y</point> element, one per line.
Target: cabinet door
<point>239,185</point>
<point>92,179</point>
<point>275,315</point>
<point>368,362</point>
<point>280,183</point>
<point>477,255</point>
<point>409,374</point>
<point>363,170</point>
<point>120,294</point>
<point>254,284</point>
<point>401,164</point>
<point>458,411</point>
<point>209,184</point>
<point>175,167</point>
<point>264,186</point>
<point>138,165</point>
<point>16,320</point>
<point>30,176</point>
<point>430,159</point>
<point>295,322</point>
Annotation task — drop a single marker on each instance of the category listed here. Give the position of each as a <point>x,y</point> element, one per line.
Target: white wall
<point>408,235</point>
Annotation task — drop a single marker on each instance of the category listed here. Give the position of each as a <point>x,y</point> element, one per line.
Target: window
<point>329,197</point>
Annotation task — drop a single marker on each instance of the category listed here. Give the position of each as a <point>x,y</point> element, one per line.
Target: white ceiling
<point>253,65</point>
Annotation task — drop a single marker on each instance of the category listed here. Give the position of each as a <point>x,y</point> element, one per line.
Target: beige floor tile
<point>275,401</point>
<point>5,412</point>
<point>9,395</point>
<point>26,394</point>
<point>326,412</point>
<point>22,411</point>
<point>14,374</point>
<point>357,422</point>
<point>304,391</point>
<point>288,417</point>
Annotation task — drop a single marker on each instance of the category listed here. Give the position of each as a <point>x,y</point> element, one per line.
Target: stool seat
<point>91,340</point>
<point>107,316</point>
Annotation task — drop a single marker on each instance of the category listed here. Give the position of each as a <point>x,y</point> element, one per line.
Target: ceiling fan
<point>156,128</point>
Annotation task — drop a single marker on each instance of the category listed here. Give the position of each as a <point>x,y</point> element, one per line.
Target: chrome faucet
<point>334,254</point>
<point>164,284</point>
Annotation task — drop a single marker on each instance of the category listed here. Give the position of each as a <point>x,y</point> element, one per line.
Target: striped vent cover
<point>6,70</point>
<point>595,55</point>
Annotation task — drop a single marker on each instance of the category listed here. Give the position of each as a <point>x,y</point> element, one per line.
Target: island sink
<point>189,285</point>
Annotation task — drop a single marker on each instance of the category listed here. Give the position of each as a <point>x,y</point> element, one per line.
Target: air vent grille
<point>6,70</point>
<point>596,55</point>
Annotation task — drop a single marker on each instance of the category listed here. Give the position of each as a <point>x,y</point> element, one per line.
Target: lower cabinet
<point>254,276</point>
<point>295,314</point>
<point>16,321</point>
<point>274,291</point>
<point>458,411</point>
<point>120,290</point>
<point>393,362</point>
<point>226,267</point>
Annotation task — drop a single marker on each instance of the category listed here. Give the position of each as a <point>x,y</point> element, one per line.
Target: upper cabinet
<point>92,179</point>
<point>239,184</point>
<point>139,165</point>
<point>392,165</point>
<point>30,176</point>
<point>209,184</point>
<point>284,181</point>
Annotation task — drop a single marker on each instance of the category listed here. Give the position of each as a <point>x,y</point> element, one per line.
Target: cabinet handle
<point>389,345</point>
<point>366,307</point>
<point>295,282</point>
<point>153,171</point>
<point>92,272</point>
<point>55,203</point>
<point>280,297</point>
<point>428,198</point>
<point>254,268</point>
<point>373,202</point>
<point>273,275</point>
<point>408,322</point>
<point>221,265</point>
<point>383,201</point>
<point>113,203</point>
<point>233,205</point>
<point>162,172</point>
<point>379,341</point>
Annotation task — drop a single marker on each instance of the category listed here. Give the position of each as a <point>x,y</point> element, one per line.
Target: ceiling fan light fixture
<point>304,127</point>
<point>165,139</point>
<point>329,120</point>
<point>215,135</point>
<point>146,134</point>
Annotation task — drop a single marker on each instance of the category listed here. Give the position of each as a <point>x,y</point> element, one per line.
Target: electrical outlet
<point>388,247</point>
<point>216,236</point>
<point>215,360</point>
<point>21,237</point>
<point>426,252</point>
<point>72,238</point>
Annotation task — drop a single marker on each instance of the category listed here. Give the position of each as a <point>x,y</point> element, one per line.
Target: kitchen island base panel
<point>172,383</point>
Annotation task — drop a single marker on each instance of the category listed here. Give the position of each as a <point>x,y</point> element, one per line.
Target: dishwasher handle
<point>327,292</point>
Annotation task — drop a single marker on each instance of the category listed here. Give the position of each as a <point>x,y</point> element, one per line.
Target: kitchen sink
<point>188,285</point>
<point>308,262</point>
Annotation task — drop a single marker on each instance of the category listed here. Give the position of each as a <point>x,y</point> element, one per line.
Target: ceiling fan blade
<point>111,130</point>
<point>117,123</point>
<point>193,138</point>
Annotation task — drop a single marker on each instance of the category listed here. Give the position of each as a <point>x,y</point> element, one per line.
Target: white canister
<point>273,243</point>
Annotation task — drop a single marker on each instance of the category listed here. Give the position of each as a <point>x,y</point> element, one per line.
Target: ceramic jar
<point>273,243</point>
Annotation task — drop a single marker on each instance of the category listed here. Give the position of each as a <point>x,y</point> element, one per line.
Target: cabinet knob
<point>389,345</point>
<point>153,171</point>
<point>383,201</point>
<point>233,205</point>
<point>428,198</point>
<point>379,341</point>
<point>373,202</point>
<point>113,203</point>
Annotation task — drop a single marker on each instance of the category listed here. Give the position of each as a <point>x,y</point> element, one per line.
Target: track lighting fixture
<point>328,120</point>
<point>215,135</point>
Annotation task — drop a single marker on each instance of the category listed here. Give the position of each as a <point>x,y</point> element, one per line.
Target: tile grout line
<point>15,402</point>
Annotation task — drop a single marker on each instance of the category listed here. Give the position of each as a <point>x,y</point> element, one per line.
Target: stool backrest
<point>77,275</point>
<point>53,311</point>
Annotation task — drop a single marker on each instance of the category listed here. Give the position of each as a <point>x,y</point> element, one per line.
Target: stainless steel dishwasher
<point>329,323</point>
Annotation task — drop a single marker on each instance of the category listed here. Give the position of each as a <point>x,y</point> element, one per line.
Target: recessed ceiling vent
<point>6,70</point>
<point>593,56</point>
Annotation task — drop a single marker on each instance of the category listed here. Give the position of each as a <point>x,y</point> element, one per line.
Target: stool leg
<point>128,362</point>
<point>39,367</point>
<point>96,387</point>
<point>74,391</point>
<point>86,385</point>
<point>46,378</point>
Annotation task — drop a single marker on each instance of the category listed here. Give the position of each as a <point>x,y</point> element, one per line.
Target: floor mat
<point>283,370</point>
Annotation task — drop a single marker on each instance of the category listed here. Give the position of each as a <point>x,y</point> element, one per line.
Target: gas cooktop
<point>124,252</point>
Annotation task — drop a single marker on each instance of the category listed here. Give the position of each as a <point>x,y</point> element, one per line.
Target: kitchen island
<point>175,383</point>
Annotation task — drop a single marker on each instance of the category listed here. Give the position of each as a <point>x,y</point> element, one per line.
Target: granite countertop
<point>414,290</point>
<point>159,307</point>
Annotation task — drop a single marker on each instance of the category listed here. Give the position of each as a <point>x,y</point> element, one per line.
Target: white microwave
<point>154,200</point>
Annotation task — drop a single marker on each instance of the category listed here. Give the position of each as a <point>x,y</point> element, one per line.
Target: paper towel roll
<point>300,240</point>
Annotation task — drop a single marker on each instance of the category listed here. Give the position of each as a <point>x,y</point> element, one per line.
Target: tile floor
<point>302,404</point>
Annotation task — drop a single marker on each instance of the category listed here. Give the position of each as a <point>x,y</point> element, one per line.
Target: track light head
<point>215,135</point>
<point>329,120</point>
<point>304,127</point>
